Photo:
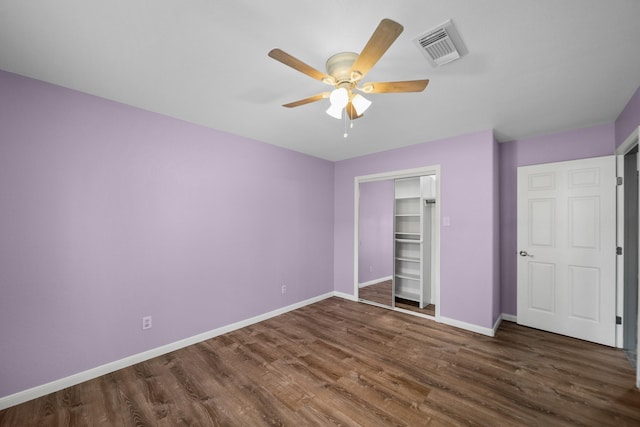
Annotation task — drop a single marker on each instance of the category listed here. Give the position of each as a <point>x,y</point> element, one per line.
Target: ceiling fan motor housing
<point>339,67</point>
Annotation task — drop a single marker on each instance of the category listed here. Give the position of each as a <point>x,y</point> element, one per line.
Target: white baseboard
<point>345,296</point>
<point>469,326</point>
<point>374,281</point>
<point>62,383</point>
<point>504,316</point>
<point>510,317</point>
<point>496,325</point>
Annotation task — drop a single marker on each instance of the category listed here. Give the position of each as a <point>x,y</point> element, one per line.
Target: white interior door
<point>567,248</point>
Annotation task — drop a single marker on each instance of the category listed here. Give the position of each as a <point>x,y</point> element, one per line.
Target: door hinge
<point>618,320</point>
<point>619,250</point>
<point>619,180</point>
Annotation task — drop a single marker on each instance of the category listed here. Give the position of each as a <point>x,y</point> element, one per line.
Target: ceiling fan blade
<point>351,111</point>
<point>382,38</point>
<point>395,87</point>
<point>296,64</point>
<point>308,100</point>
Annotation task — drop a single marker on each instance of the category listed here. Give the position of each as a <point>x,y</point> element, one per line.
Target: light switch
<point>446,221</point>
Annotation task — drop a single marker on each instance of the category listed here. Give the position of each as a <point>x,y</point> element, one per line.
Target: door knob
<point>524,253</point>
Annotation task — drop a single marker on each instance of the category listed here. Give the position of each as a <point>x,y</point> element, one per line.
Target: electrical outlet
<point>284,289</point>
<point>146,322</point>
<point>370,269</point>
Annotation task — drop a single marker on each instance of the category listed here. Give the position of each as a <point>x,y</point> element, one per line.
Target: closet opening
<point>397,240</point>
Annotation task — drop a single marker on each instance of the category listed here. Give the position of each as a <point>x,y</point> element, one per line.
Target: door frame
<point>435,271</point>
<point>628,144</point>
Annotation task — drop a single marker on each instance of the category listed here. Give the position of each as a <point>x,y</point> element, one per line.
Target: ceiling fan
<point>345,70</point>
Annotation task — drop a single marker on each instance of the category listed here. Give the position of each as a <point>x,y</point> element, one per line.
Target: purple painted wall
<point>375,251</point>
<point>571,145</point>
<point>467,197</point>
<point>629,119</point>
<point>110,213</point>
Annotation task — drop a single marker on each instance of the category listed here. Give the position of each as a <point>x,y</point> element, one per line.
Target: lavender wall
<point>571,145</point>
<point>468,194</point>
<point>375,251</point>
<point>629,119</point>
<point>110,213</point>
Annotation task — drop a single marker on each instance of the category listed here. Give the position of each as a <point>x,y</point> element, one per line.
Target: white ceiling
<point>533,67</point>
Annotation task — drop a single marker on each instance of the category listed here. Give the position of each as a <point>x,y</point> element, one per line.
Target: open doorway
<point>628,241</point>
<point>630,253</point>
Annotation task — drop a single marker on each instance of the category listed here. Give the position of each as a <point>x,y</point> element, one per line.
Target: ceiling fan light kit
<point>339,97</point>
<point>345,70</point>
<point>360,103</point>
<point>334,111</point>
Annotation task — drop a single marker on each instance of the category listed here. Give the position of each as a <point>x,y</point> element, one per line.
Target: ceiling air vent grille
<point>440,45</point>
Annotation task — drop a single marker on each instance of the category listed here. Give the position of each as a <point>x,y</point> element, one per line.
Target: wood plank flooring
<point>382,293</point>
<point>429,309</point>
<point>338,362</point>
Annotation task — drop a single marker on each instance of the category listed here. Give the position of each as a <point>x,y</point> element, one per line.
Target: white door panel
<point>566,239</point>
<point>542,293</point>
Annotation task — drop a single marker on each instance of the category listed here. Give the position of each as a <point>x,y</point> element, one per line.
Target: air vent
<point>441,45</point>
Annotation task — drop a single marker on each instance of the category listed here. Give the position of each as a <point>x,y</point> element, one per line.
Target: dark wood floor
<point>429,309</point>
<point>338,362</point>
<point>382,293</point>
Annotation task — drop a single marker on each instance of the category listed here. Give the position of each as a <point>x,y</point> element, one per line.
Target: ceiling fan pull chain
<point>345,125</point>
<point>351,115</point>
